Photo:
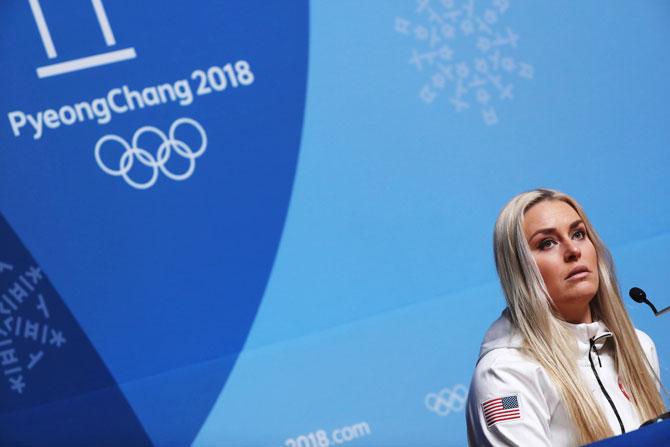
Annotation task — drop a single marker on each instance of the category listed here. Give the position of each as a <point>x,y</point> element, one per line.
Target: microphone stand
<point>639,296</point>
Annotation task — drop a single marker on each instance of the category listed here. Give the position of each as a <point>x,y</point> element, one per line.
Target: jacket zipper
<point>602,388</point>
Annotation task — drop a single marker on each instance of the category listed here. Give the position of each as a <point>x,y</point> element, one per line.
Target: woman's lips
<point>578,273</point>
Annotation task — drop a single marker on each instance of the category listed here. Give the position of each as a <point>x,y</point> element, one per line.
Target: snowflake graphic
<point>464,54</point>
<point>26,329</point>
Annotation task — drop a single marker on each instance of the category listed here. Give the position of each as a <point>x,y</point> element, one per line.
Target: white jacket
<point>537,416</point>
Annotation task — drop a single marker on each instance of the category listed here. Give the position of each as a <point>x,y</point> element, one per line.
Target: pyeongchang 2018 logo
<point>122,99</point>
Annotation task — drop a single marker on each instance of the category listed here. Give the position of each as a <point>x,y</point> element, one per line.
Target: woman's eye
<point>545,244</point>
<point>579,234</point>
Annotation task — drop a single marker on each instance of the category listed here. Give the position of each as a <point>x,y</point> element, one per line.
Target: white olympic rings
<point>158,162</point>
<point>447,400</point>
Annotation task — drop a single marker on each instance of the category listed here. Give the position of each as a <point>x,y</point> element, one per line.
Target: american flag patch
<point>501,409</point>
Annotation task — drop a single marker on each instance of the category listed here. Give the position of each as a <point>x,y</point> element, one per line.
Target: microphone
<point>639,296</point>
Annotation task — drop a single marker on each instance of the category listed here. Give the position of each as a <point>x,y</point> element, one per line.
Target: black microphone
<point>639,296</point>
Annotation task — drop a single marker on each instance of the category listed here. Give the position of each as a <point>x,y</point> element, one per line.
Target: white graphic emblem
<point>27,332</point>
<point>446,400</point>
<point>465,53</point>
<point>169,143</point>
<point>81,63</point>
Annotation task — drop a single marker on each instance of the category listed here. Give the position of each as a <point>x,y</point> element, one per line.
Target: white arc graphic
<point>156,163</point>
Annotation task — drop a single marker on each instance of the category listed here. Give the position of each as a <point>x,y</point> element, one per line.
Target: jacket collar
<point>502,334</point>
<point>589,336</point>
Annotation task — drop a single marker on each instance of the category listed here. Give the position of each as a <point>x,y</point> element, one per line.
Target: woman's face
<point>565,257</point>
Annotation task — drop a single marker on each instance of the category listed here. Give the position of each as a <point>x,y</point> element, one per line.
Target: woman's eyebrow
<point>576,223</point>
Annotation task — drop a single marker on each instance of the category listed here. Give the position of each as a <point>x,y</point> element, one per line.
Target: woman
<point>563,365</point>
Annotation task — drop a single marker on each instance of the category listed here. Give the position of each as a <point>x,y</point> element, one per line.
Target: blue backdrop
<point>250,223</point>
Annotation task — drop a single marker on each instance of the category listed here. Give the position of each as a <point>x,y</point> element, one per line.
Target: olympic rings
<point>447,400</point>
<point>157,163</point>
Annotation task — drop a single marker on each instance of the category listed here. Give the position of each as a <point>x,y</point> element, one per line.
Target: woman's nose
<point>572,251</point>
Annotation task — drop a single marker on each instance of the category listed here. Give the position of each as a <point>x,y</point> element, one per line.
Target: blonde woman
<point>563,365</point>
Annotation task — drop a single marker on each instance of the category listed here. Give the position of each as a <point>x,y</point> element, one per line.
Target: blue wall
<point>306,259</point>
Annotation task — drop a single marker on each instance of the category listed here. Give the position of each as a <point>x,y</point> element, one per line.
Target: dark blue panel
<point>54,388</point>
<point>170,276</point>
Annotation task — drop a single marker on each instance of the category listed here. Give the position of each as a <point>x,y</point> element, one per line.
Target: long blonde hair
<point>547,338</point>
